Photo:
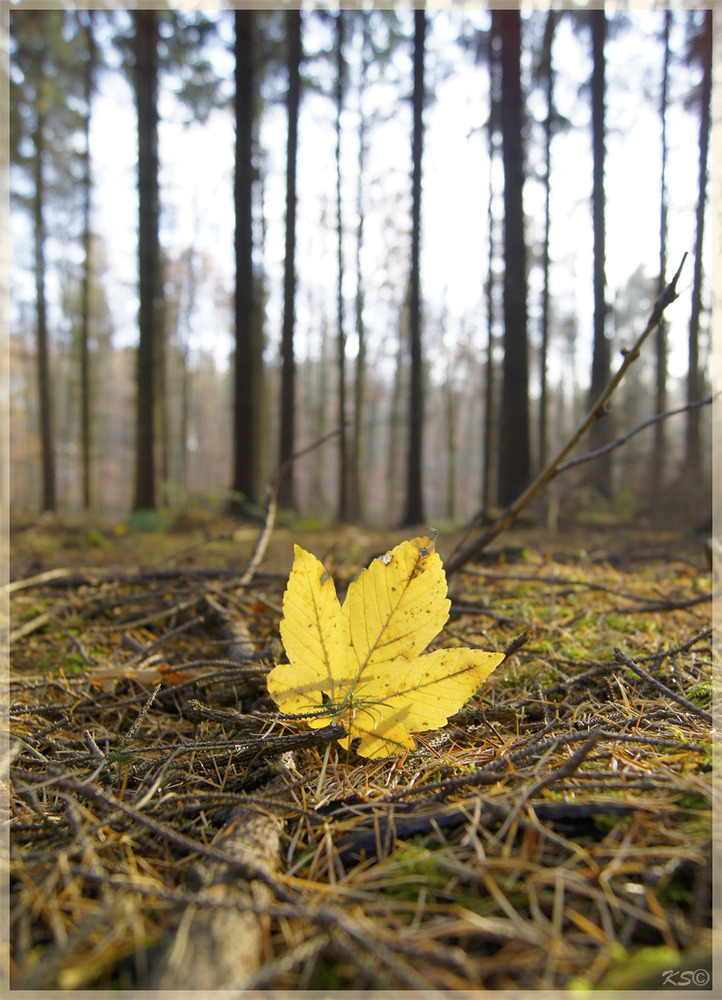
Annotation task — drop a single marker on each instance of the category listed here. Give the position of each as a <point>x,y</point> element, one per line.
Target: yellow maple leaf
<point>360,665</point>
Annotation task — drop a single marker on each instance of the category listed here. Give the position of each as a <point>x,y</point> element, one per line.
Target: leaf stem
<point>322,775</point>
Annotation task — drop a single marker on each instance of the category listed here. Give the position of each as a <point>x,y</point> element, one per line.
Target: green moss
<point>149,520</point>
<point>641,970</point>
<point>546,646</point>
<point>693,801</point>
<point>331,976</point>
<point>607,821</point>
<point>677,891</point>
<point>552,796</point>
<point>620,623</point>
<point>36,609</point>
<point>74,664</point>
<point>97,539</point>
<point>580,984</point>
<point>576,653</point>
<point>413,867</point>
<point>701,694</point>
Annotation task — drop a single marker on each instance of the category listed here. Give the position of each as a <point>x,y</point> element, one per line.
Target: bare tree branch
<point>590,455</point>
<point>597,411</point>
<point>264,536</point>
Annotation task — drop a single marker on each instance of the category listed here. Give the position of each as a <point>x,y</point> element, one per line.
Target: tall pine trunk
<point>286,492</point>
<point>414,511</point>
<point>319,413</point>
<point>44,387</point>
<point>548,132</point>
<point>356,490</point>
<point>514,460</point>
<point>86,182</point>
<point>487,461</point>
<point>657,469</point>
<point>451,402</point>
<point>248,367</point>
<point>601,468</point>
<point>394,479</point>
<point>694,379</point>
<point>343,468</point>
<point>145,80</point>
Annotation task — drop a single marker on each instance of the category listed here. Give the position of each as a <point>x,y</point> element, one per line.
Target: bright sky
<point>197,176</point>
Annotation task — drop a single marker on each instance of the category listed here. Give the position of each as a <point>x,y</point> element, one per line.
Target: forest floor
<point>169,830</point>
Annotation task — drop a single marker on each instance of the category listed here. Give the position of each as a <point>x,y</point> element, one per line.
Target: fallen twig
<point>145,650</point>
<point>272,505</point>
<point>662,688</point>
<point>600,668</point>
<point>246,868</point>
<point>139,718</point>
<point>675,605</point>
<point>36,581</point>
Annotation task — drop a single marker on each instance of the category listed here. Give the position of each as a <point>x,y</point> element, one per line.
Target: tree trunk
<point>248,368</point>
<point>601,468</point>
<point>85,292</point>
<point>548,131</point>
<point>694,387</point>
<point>286,492</point>
<point>394,478</point>
<point>487,463</point>
<point>319,411</point>
<point>184,426</point>
<point>145,79</point>
<point>450,405</point>
<point>514,463</point>
<point>44,388</point>
<point>343,493</point>
<point>657,469</point>
<point>414,513</point>
<point>162,393</point>
<point>356,492</point>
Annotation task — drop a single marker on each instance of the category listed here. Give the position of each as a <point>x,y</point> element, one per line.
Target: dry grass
<point>557,831</point>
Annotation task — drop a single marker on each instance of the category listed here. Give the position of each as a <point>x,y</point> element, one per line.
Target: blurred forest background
<point>422,237</point>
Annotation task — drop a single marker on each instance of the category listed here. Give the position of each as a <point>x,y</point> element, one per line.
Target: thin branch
<point>566,770</point>
<point>143,712</point>
<point>597,412</point>
<point>145,650</point>
<point>655,606</point>
<point>272,505</point>
<point>247,869</point>
<point>621,657</point>
<point>34,581</point>
<point>598,452</point>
